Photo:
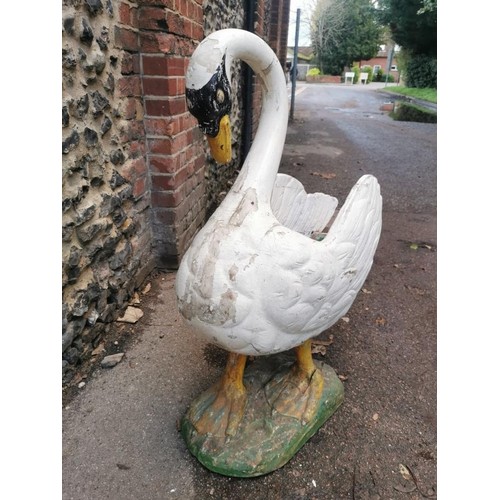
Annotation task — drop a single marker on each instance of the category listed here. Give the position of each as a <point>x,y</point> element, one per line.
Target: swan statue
<point>254,281</point>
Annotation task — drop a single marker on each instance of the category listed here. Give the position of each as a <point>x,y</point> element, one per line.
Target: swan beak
<point>220,145</point>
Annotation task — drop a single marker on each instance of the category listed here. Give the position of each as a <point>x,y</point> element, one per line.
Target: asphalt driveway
<point>120,430</point>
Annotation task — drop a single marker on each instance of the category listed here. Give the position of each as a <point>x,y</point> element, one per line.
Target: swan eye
<point>220,96</point>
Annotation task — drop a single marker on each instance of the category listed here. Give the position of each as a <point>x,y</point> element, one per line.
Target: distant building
<point>381,61</point>
<point>305,57</point>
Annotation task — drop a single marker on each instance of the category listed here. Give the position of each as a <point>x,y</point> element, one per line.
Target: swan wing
<point>314,283</point>
<point>299,211</point>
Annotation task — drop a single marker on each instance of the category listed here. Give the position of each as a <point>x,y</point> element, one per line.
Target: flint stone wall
<point>106,231</point>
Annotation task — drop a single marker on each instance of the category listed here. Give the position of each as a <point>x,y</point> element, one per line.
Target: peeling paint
<point>210,312</point>
<point>247,205</point>
<point>233,272</point>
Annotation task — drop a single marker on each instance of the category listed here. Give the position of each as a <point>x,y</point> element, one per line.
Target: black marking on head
<point>210,103</point>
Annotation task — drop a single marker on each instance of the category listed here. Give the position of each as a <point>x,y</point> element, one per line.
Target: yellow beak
<point>220,145</point>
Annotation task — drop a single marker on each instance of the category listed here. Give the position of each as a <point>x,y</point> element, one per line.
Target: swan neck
<point>262,162</point>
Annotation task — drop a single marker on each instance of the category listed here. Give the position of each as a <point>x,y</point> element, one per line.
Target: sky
<point>305,9</point>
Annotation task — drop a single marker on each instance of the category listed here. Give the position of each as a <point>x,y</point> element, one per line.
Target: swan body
<point>253,282</point>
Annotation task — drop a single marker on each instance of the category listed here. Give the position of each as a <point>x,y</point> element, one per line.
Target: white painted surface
<point>250,283</point>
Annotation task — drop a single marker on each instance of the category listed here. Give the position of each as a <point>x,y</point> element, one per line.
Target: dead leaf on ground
<point>325,175</point>
<point>418,291</point>
<point>318,349</point>
<point>146,289</point>
<point>319,346</point>
<point>415,245</point>
<point>380,321</point>
<point>404,472</point>
<point>323,342</point>
<point>408,474</point>
<point>98,349</point>
<point>405,488</point>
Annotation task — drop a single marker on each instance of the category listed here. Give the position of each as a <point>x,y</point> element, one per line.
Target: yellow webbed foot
<point>297,393</point>
<point>220,409</point>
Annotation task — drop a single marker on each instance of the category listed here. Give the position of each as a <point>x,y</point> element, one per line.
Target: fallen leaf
<point>405,489</point>
<point>146,289</point>
<point>323,342</point>
<point>404,472</point>
<point>98,349</point>
<point>318,349</point>
<point>380,321</point>
<point>418,291</point>
<point>325,175</point>
<point>414,246</point>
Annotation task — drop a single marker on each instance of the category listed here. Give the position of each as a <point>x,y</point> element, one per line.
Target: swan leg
<point>298,392</point>
<point>223,404</point>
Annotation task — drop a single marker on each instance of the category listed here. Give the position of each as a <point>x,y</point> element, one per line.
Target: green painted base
<point>266,439</point>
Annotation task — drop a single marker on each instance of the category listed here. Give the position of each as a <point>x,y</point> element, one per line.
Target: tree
<point>413,24</point>
<point>327,24</point>
<point>344,31</point>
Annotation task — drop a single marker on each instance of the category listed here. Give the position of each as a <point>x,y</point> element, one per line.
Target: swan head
<point>208,98</point>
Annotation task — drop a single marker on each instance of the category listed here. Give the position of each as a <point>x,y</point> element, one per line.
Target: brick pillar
<point>174,146</point>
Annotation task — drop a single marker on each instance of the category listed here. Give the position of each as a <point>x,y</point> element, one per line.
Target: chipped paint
<point>233,271</point>
<point>247,205</point>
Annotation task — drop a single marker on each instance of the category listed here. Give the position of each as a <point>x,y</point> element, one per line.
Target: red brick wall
<point>278,36</point>
<point>168,33</point>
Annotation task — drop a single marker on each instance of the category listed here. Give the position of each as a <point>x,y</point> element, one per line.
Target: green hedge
<point>313,72</point>
<point>369,70</point>
<point>380,77</point>
<point>421,72</point>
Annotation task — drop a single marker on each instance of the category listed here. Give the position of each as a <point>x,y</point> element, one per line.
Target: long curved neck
<point>262,162</point>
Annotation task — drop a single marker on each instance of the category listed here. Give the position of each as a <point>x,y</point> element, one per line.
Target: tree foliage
<point>344,31</point>
<point>413,24</point>
<point>421,72</point>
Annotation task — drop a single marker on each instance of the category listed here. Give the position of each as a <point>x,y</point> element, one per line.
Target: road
<point>119,433</point>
